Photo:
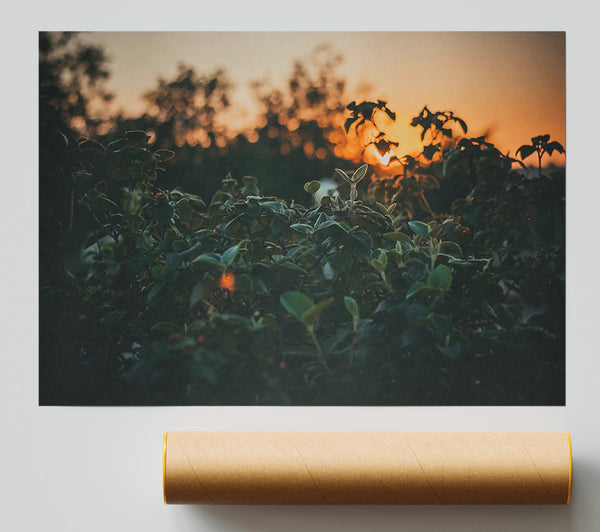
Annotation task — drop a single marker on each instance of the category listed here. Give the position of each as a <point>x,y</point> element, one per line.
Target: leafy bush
<point>249,299</point>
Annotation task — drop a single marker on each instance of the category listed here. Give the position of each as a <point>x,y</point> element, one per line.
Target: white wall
<point>98,469</point>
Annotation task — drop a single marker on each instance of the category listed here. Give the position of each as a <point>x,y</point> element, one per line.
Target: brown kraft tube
<point>367,467</point>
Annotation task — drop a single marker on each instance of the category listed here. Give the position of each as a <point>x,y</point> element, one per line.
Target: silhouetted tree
<point>183,113</point>
<point>185,109</point>
<point>298,126</point>
<point>71,79</point>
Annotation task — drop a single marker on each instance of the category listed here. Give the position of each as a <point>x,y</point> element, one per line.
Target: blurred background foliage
<point>298,132</point>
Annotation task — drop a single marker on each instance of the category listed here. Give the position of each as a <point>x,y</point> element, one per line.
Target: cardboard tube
<point>367,467</point>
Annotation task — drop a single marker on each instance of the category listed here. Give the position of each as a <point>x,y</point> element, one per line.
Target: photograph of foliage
<point>305,255</point>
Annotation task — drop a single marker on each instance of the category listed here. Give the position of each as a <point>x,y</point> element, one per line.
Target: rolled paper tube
<point>367,467</point>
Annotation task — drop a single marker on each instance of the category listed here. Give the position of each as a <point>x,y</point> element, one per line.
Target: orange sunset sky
<point>510,84</point>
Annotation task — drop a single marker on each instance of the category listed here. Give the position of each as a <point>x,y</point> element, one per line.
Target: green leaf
<point>363,239</point>
<point>273,206</point>
<point>133,241</point>
<point>303,229</point>
<point>119,172</point>
<point>439,325</point>
<point>289,265</point>
<point>331,229</point>
<point>415,289</point>
<point>91,145</point>
<point>162,213</point>
<point>158,272</point>
<point>100,202</point>
<point>83,176</point>
<point>351,305</point>
<point>117,144</point>
<point>167,327</point>
<point>312,314</point>
<point>259,287</point>
<point>307,352</point>
<point>229,255</point>
<point>173,260</point>
<point>440,278</point>
<point>420,228</point>
<point>279,225</point>
<point>63,137</point>
<point>341,261</point>
<point>416,269</point>
<point>382,257</point>
<point>137,138</point>
<point>396,236</point>
<point>415,311</point>
<point>244,283</point>
<point>155,290</point>
<point>144,156</point>
<point>451,248</point>
<point>253,209</point>
<point>179,245</point>
<point>94,238</point>
<point>312,187</point>
<point>378,265</point>
<point>343,175</point>
<point>232,225</point>
<point>197,293</point>
<point>164,155</point>
<point>360,173</point>
<point>452,351</point>
<point>322,219</point>
<point>112,318</point>
<point>296,303</point>
<point>208,259</point>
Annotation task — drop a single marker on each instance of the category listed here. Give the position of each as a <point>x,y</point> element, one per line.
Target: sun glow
<point>373,156</point>
<point>383,159</point>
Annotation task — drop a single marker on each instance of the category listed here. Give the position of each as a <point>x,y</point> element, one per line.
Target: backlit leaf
<point>343,175</point>
<point>312,187</point>
<point>360,173</point>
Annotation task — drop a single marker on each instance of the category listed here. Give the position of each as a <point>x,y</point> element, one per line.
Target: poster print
<point>290,218</point>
